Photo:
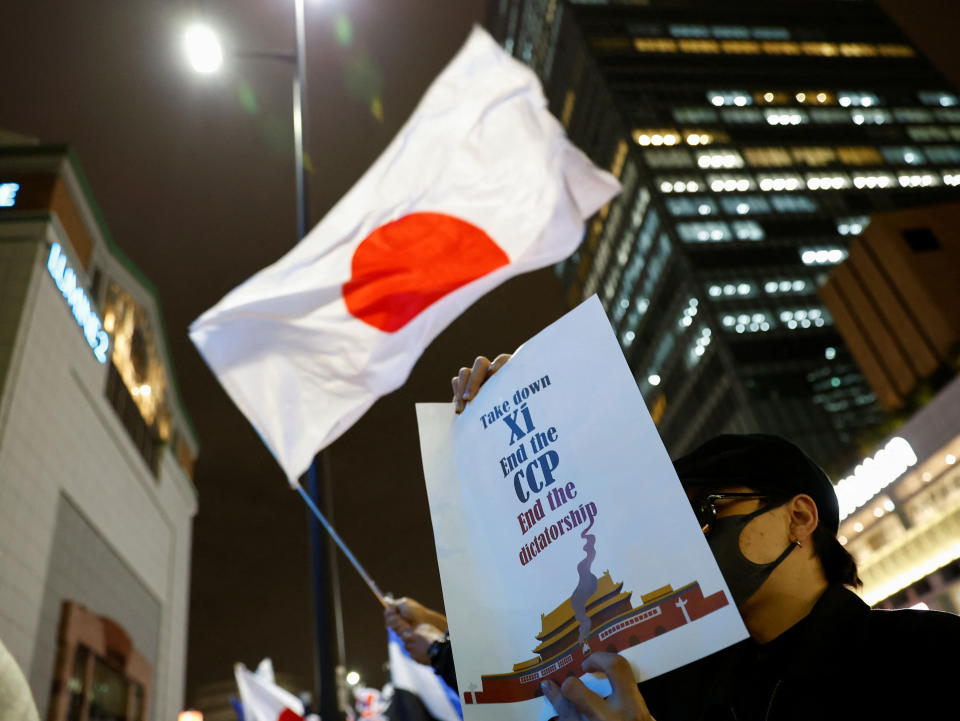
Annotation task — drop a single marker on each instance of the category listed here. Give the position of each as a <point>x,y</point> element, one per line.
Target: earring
<point>796,542</point>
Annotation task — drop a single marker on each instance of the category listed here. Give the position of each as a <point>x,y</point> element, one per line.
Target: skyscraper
<point>753,141</point>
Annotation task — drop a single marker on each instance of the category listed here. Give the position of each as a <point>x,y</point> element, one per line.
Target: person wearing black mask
<point>816,651</point>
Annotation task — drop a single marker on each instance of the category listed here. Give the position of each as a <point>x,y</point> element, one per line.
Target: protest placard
<point>561,527</point>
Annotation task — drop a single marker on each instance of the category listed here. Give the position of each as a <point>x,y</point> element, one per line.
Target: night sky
<point>194,176</point>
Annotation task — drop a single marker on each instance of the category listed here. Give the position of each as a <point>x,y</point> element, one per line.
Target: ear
<point>804,517</point>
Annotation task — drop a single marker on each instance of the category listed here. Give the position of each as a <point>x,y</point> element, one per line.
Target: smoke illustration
<point>588,582</point>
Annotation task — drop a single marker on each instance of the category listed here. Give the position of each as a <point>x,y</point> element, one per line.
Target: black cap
<point>764,463</point>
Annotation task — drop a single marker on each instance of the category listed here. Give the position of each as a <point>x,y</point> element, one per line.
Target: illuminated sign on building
<point>874,474</point>
<point>76,297</point>
<point>8,194</point>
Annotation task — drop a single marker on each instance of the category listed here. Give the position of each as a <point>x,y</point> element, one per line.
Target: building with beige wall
<point>96,458</point>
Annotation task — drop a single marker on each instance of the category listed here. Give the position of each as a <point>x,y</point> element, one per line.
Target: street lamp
<point>205,55</point>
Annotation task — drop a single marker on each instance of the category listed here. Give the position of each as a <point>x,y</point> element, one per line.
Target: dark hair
<point>838,564</point>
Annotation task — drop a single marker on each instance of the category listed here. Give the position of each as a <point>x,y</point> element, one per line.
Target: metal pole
<point>325,656</point>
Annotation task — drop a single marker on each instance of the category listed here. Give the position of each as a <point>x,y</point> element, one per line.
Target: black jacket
<point>843,661</point>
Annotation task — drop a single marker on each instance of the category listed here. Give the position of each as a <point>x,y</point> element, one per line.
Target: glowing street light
<point>353,678</point>
<point>203,49</point>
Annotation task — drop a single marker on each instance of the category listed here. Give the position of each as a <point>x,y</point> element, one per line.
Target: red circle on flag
<point>404,266</point>
<point>289,715</point>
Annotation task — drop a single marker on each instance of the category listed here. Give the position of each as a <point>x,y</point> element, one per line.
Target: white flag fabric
<point>480,184</point>
<point>419,694</point>
<point>263,700</point>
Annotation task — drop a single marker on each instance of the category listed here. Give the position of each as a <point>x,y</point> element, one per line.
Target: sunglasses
<point>704,507</point>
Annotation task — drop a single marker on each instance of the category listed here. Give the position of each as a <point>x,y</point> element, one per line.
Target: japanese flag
<point>481,184</point>
<point>263,700</point>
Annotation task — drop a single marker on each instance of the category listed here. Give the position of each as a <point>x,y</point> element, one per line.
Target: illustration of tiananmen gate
<point>614,626</point>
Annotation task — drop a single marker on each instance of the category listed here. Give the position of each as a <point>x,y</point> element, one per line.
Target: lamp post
<point>206,56</point>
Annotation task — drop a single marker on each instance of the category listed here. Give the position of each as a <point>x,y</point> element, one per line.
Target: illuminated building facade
<point>753,141</point>
<point>96,458</point>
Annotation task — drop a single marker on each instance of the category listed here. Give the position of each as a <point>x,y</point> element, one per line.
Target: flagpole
<point>371,584</point>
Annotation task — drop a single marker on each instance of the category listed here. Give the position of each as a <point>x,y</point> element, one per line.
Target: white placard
<point>556,454</point>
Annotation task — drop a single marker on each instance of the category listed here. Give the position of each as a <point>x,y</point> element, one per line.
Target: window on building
<point>697,349</point>
<point>691,206</point>
<point>656,136</point>
<point>950,115</point>
<point>770,33</point>
<point>747,230</point>
<point>742,116</point>
<point>913,115</point>
<point>785,116</point>
<point>767,157</point>
<point>874,179</point>
<point>786,286</point>
<point>674,158</point>
<point>827,181</point>
<point>694,46</point>
<point>738,98</point>
<point>704,232</point>
<point>903,155</point>
<point>694,115</point>
<point>813,156</point>
<point>928,133</point>
<point>741,47</point>
<point>820,49</point>
<point>745,205</point>
<point>873,116</point>
<point>727,290</point>
<point>824,255</point>
<point>854,225</point>
<point>689,31</point>
<point>858,50</point>
<point>896,50</point>
<point>921,240</point>
<point>757,321</point>
<point>943,153</point>
<point>779,181</point>
<point>952,177</point>
<point>679,184</point>
<point>803,318</point>
<point>771,47</point>
<point>918,179</point>
<point>830,116</point>
<point>859,155</point>
<point>719,159</point>
<point>655,45</point>
<point>730,182</point>
<point>938,98</point>
<point>736,32</point>
<point>793,203</point>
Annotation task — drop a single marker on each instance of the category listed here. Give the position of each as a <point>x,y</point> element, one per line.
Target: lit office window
<point>694,115</point>
<point>655,45</point>
<point>851,99</point>
<point>768,97</point>
<point>742,116</point>
<point>903,155</point>
<point>793,203</point>
<point>831,181</point>
<point>772,47</point>
<point>784,116</point>
<point>691,206</point>
<point>699,346</point>
<point>955,132</point>
<point>896,50</point>
<point>703,232</point>
<point>820,49</point>
<point>689,313</point>
<point>745,205</point>
<point>830,116</point>
<point>689,31</point>
<point>750,322</point>
<point>701,137</point>
<point>747,230</point>
<point>943,154</point>
<point>858,50</point>
<point>719,159</point>
<point>770,33</point>
<point>913,115</point>
<point>873,116</point>
<point>736,32</point>
<point>814,157</point>
<point>738,98</point>
<point>730,183</point>
<point>784,286</point>
<point>863,155</point>
<point>741,47</point>
<point>679,184</point>
<point>854,225</point>
<point>694,46</point>
<point>656,136</point>
<point>950,115</point>
<point>824,255</point>
<point>803,318</point>
<point>767,157</point>
<point>928,133</point>
<point>779,181</point>
<point>938,98</point>
<point>875,179</point>
<point>730,290</point>
<point>952,177</point>
<point>675,158</point>
<point>918,180</point>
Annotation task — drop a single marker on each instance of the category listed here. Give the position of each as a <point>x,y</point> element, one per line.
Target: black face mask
<point>743,576</point>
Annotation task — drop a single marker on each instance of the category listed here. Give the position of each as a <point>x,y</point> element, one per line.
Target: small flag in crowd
<point>262,699</point>
<point>419,694</point>
<point>481,184</point>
